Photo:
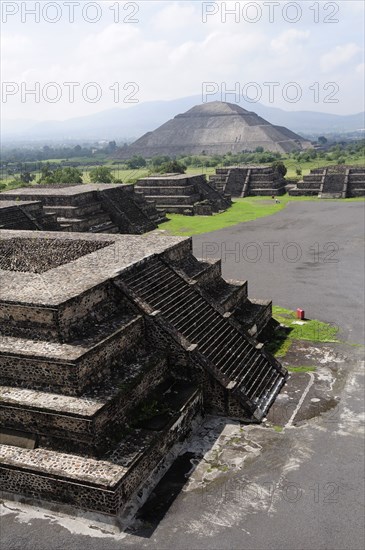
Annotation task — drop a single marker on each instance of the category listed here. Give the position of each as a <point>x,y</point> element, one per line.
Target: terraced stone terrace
<point>26,214</point>
<point>247,181</point>
<point>95,208</point>
<point>183,194</point>
<point>332,182</point>
<point>111,349</point>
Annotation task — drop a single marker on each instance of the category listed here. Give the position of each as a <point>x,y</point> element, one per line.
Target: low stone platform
<point>96,208</point>
<point>183,194</point>
<point>241,181</point>
<point>28,215</point>
<point>332,182</point>
<point>110,347</point>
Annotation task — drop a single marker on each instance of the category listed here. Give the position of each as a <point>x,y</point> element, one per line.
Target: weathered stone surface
<point>241,181</point>
<point>95,208</point>
<point>333,182</point>
<point>110,347</point>
<point>182,193</point>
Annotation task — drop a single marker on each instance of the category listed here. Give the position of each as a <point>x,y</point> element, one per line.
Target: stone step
<point>296,192</point>
<point>72,318</point>
<point>69,368</point>
<point>86,224</point>
<point>254,315</point>
<point>124,210</point>
<point>196,320</point>
<point>107,227</point>
<point>75,212</point>
<point>14,218</point>
<point>266,192</point>
<point>330,195</point>
<point>103,485</point>
<point>199,270</point>
<point>176,208</point>
<point>167,200</point>
<point>150,191</point>
<point>83,423</point>
<point>262,184</point>
<point>228,294</point>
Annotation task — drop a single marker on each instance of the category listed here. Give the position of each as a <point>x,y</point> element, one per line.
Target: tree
<point>101,174</point>
<point>137,161</point>
<point>60,175</point>
<point>159,160</point>
<point>172,166</point>
<point>27,177</point>
<point>279,167</point>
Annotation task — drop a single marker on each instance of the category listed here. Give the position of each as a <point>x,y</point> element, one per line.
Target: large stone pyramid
<point>214,128</point>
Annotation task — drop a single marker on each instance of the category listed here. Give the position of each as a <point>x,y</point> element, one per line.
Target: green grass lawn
<point>291,165</point>
<point>131,176</point>
<point>242,210</point>
<point>294,329</point>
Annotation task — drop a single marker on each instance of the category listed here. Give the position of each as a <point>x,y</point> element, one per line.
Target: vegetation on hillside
<point>24,166</point>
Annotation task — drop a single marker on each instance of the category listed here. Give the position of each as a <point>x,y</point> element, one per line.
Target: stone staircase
<point>251,375</point>
<point>310,185</point>
<point>264,182</point>
<point>356,182</point>
<point>182,194</point>
<point>244,181</point>
<point>333,186</point>
<point>125,212</point>
<point>26,216</point>
<point>332,183</point>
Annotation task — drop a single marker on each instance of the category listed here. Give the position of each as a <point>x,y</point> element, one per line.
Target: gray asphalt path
<point>309,255</point>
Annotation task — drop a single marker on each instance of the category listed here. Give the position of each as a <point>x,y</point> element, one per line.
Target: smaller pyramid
<point>215,128</point>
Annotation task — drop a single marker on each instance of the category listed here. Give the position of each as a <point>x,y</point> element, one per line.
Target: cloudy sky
<point>303,55</point>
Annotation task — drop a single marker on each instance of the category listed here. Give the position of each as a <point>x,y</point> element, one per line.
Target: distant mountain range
<point>130,123</point>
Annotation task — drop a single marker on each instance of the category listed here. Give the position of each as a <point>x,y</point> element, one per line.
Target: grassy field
<point>291,165</point>
<point>292,329</point>
<point>242,210</point>
<point>127,176</point>
<point>131,176</point>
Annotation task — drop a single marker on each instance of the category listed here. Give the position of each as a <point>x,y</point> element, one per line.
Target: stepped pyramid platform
<point>332,182</point>
<point>214,128</point>
<point>183,194</point>
<point>249,180</point>
<point>111,349</point>
<point>95,208</point>
<point>29,215</point>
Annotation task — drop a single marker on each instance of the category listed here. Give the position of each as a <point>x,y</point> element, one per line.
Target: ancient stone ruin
<point>183,194</point>
<point>214,128</point>
<point>111,347</point>
<point>332,182</point>
<point>250,180</point>
<point>96,208</point>
<point>17,214</point>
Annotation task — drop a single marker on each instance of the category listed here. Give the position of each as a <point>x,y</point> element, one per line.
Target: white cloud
<point>175,16</point>
<point>171,52</point>
<point>338,57</point>
<point>288,40</point>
